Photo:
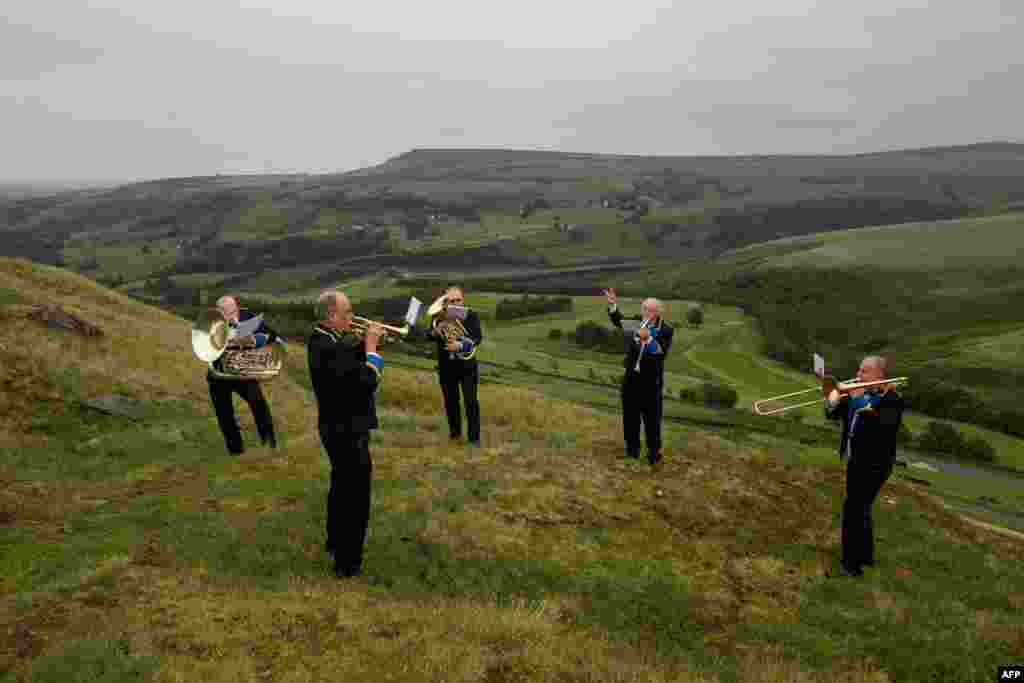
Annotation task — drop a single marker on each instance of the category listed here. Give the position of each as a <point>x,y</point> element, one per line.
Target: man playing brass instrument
<point>643,381</point>
<point>871,419</point>
<point>345,371</point>
<point>221,390</point>
<point>458,371</point>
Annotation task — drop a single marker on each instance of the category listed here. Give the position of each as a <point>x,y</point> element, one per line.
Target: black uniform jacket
<point>343,381</point>
<point>874,437</point>
<point>652,365</point>
<point>473,333</point>
<point>243,315</point>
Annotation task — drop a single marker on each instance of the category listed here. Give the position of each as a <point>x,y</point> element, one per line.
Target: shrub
<point>508,309</point>
<point>719,395</point>
<point>690,394</point>
<point>904,435</point>
<point>555,333</point>
<point>695,316</point>
<point>977,448</point>
<point>941,437</point>
<point>591,335</point>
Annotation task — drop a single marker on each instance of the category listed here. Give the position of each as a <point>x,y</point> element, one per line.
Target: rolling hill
<point>940,298</point>
<point>134,548</point>
<point>443,209</point>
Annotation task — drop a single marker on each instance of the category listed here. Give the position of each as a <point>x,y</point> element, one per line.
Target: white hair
<point>651,301</point>
<point>327,303</point>
<point>876,361</point>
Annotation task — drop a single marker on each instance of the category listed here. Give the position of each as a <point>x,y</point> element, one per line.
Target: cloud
<point>208,86</point>
<point>31,52</point>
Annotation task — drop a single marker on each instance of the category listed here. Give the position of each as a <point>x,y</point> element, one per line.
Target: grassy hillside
<point>138,550</point>
<point>939,298</point>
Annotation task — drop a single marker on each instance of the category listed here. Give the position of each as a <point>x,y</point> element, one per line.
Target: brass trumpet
<point>844,388</point>
<point>360,325</point>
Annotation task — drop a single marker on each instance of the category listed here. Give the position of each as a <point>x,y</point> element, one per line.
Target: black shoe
<point>845,572</point>
<point>654,459</point>
<point>632,454</point>
<point>454,437</point>
<point>234,452</point>
<point>346,572</point>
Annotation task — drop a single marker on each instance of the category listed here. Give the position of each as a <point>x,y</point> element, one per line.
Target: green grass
<point>124,258</point>
<point>174,561</point>
<point>986,243</point>
<point>8,296</point>
<point>257,221</point>
<point>91,661</point>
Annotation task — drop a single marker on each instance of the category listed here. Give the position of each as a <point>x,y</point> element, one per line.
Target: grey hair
<point>878,362</point>
<point>327,303</point>
<point>221,302</point>
<point>651,301</point>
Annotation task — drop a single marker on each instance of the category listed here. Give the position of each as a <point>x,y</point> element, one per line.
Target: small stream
<point>1012,520</point>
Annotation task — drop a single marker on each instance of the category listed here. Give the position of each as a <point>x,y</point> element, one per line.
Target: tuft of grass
<point>90,661</point>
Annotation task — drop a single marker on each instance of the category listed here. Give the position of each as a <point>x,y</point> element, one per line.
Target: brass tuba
<point>232,356</point>
<point>450,330</point>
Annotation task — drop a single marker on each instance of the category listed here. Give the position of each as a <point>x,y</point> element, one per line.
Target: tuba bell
<point>231,356</point>
<point>450,329</point>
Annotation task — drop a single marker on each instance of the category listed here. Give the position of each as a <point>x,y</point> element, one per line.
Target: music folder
<point>414,311</point>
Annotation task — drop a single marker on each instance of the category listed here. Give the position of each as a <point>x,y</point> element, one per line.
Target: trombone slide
<point>843,387</point>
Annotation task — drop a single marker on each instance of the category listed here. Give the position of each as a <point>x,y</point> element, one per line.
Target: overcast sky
<point>132,89</point>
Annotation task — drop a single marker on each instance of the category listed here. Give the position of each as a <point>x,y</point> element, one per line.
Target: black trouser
<point>251,392</point>
<point>864,479</point>
<point>348,499</point>
<point>466,379</point>
<point>641,401</point>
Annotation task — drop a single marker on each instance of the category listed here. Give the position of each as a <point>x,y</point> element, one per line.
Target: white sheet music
<point>414,311</point>
<point>819,365</point>
<point>246,328</point>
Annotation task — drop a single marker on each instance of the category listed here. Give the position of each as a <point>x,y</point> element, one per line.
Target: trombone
<point>843,387</point>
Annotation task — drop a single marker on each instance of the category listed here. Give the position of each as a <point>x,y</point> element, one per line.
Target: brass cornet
<point>360,325</point>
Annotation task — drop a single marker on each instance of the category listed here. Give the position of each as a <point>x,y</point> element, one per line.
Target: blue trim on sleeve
<point>260,338</point>
<point>467,346</point>
<point>654,332</point>
<point>652,347</point>
<point>375,360</point>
